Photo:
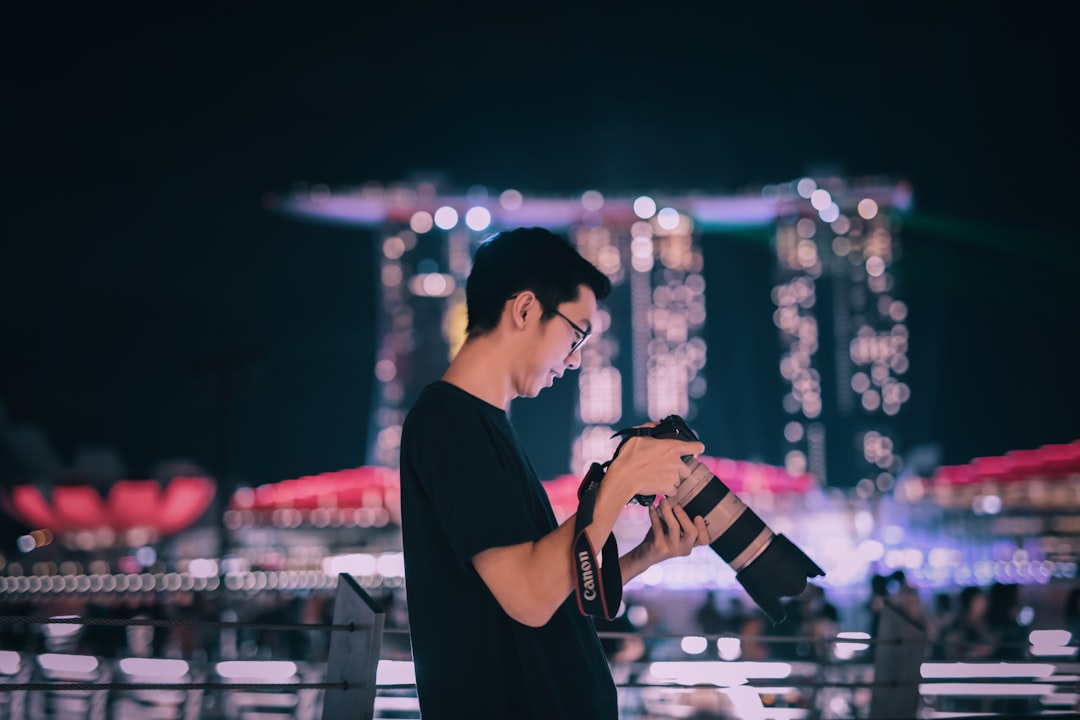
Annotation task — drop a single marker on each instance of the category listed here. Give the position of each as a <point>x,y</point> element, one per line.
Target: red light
<point>130,504</point>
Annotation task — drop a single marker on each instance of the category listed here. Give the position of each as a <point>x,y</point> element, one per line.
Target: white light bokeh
<point>478,218</point>
<point>592,200</point>
<point>868,209</point>
<point>668,218</point>
<point>446,217</point>
<point>644,207</point>
<point>63,663</point>
<point>268,671</point>
<point>154,668</point>
<point>421,222</point>
<point>830,213</point>
<point>10,662</point>
<point>806,187</point>
<point>511,200</point>
<point>203,567</point>
<point>395,672</point>
<point>693,644</point>
<point>820,199</point>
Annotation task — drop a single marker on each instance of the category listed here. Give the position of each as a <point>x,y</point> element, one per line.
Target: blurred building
<point>1013,518</point>
<point>651,354</point>
<point>837,297</point>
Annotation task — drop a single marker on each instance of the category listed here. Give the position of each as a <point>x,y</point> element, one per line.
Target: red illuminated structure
<point>1045,462</point>
<point>1047,476</point>
<point>129,505</point>
<point>366,495</point>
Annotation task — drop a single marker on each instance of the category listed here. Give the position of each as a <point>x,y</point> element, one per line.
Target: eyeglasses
<point>585,334</point>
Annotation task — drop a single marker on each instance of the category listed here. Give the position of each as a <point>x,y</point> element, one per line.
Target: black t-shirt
<point>467,486</point>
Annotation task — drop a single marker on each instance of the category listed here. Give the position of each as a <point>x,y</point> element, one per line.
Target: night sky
<point>140,263</point>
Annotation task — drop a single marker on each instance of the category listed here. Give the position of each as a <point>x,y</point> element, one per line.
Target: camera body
<point>767,565</point>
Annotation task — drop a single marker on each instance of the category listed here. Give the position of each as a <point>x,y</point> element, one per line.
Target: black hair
<point>533,259</point>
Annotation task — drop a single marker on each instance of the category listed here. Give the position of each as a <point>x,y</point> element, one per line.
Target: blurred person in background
<point>736,615</point>
<point>969,636</point>
<point>1071,614</point>
<point>969,639</point>
<point>879,590</point>
<point>1002,617</point>
<point>754,627</point>
<point>1010,640</point>
<point>713,622</point>
<point>910,603</point>
<point>815,623</point>
<point>938,622</point>
<point>496,628</point>
<point>823,624</point>
<point>709,619</point>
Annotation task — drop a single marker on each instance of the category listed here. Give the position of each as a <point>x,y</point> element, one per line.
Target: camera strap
<point>598,594</point>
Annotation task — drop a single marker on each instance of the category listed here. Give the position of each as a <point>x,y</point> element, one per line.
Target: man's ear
<point>521,306</point>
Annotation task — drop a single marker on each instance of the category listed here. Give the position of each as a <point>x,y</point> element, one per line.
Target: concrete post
<point>354,654</point>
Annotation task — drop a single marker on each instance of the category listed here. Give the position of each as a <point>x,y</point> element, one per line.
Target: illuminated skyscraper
<point>836,295</point>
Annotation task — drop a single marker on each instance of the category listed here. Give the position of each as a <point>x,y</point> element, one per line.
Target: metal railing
<point>72,685</point>
<point>356,680</point>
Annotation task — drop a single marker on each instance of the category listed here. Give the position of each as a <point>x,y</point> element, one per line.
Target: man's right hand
<point>650,466</point>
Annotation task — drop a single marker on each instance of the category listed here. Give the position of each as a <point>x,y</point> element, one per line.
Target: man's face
<point>556,346</point>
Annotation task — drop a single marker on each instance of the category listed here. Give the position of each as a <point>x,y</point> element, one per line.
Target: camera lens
<point>768,566</point>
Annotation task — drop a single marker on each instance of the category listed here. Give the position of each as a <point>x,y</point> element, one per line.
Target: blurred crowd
<point>188,626</point>
<point>975,622</point>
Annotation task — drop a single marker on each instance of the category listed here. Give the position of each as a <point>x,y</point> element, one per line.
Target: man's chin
<point>538,387</point>
<point>529,392</point>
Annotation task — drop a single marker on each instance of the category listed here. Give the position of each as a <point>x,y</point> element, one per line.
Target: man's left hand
<point>673,533</point>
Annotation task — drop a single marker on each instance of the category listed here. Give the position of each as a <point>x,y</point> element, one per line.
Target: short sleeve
<point>466,474</point>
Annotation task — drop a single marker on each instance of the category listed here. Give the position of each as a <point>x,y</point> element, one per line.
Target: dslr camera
<point>767,565</point>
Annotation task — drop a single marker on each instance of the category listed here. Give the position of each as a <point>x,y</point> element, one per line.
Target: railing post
<point>354,655</point>
<point>898,656</point>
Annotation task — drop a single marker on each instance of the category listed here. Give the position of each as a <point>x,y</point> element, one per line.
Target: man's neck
<point>479,369</point>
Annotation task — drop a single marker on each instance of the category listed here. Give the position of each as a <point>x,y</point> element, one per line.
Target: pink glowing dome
<point>129,504</point>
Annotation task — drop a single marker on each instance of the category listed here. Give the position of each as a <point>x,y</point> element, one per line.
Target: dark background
<point>151,303</point>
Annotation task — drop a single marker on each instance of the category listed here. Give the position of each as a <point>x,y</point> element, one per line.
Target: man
<point>496,630</point>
